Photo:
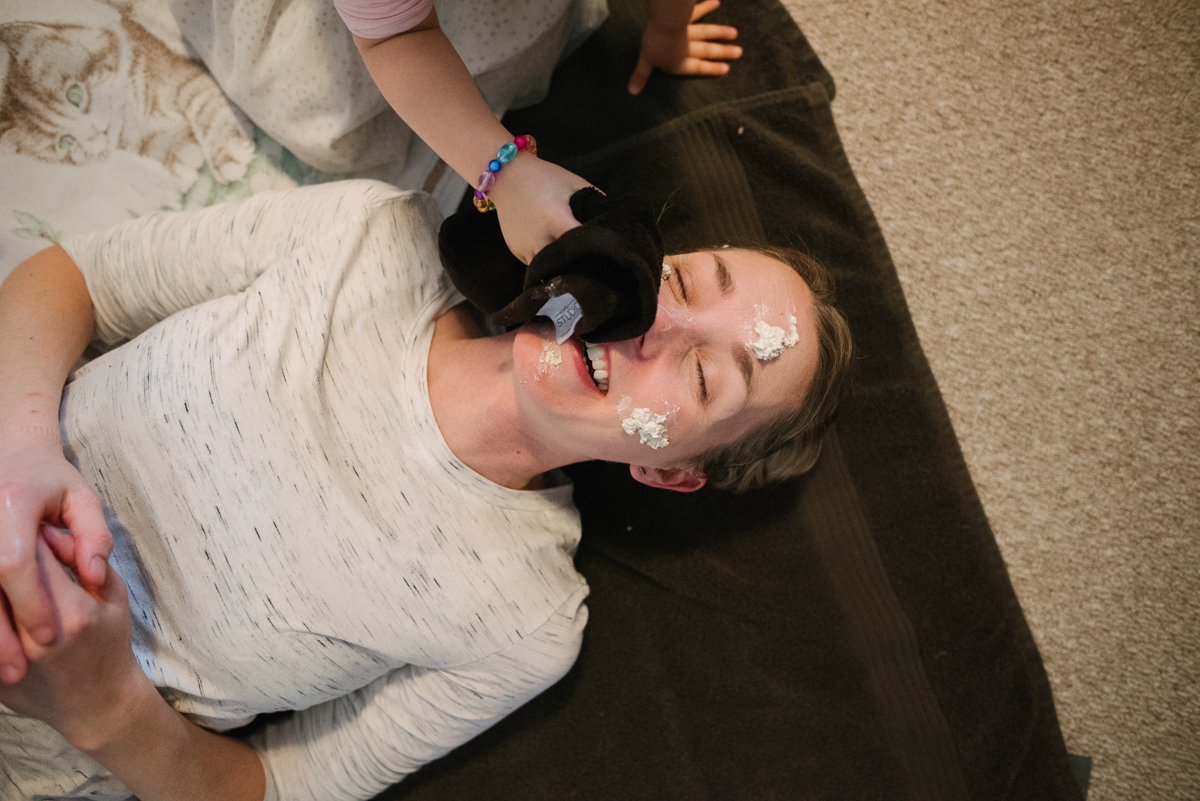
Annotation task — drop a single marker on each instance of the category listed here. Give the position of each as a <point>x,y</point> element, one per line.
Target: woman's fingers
<point>12,655</point>
<point>84,515</point>
<point>74,605</point>
<point>61,543</point>
<point>32,609</point>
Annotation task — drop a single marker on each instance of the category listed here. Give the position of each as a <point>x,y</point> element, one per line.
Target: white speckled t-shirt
<point>289,520</point>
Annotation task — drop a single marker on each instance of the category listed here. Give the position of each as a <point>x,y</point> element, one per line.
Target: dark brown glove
<point>611,264</point>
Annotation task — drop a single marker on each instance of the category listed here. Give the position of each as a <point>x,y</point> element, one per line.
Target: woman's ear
<point>681,479</point>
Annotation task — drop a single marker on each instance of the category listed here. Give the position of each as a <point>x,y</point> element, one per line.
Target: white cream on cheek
<point>649,426</point>
<point>551,358</point>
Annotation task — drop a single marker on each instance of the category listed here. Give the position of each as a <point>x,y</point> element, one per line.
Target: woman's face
<point>733,345</point>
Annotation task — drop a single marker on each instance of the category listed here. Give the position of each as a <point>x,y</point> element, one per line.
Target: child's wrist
<point>487,179</point>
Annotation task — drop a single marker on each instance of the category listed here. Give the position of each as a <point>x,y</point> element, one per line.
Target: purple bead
<point>486,181</point>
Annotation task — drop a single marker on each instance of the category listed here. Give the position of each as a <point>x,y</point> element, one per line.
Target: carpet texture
<point>1034,168</point>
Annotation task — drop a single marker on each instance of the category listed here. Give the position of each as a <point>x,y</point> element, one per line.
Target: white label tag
<point>566,313</point>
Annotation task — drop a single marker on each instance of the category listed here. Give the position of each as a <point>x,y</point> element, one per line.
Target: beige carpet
<point>1034,167</point>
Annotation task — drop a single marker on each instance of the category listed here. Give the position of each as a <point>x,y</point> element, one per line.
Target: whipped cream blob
<point>772,340</point>
<point>649,426</point>
<point>666,272</point>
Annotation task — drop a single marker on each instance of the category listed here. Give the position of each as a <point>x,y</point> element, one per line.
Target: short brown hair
<point>789,445</point>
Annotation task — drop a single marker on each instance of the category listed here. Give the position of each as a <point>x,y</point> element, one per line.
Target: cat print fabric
<point>104,116</point>
<point>75,92</point>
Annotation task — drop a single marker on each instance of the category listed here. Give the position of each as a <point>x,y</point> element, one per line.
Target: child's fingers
<point>705,7</point>
<point>641,74</point>
<point>696,66</point>
<point>710,32</point>
<point>707,51</point>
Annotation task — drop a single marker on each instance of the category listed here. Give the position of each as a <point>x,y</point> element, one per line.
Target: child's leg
<point>292,66</point>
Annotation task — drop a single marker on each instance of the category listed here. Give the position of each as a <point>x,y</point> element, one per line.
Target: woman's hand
<point>39,488</point>
<point>683,49</point>
<point>46,320</point>
<point>532,198</point>
<point>88,686</point>
<point>86,683</point>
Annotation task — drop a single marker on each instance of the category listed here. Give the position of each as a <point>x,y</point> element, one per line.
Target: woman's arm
<point>427,83</point>
<point>88,686</point>
<point>45,322</point>
<point>354,747</point>
<point>78,673</point>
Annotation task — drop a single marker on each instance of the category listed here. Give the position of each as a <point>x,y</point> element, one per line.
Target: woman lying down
<point>329,491</point>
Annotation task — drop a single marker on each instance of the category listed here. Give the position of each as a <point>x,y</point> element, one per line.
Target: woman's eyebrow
<point>745,363</point>
<point>724,279</point>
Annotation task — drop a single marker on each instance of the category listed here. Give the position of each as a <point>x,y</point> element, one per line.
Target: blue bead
<point>494,165</point>
<point>507,153</point>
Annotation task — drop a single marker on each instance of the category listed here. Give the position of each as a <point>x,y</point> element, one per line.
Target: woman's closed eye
<point>678,275</point>
<point>701,382</point>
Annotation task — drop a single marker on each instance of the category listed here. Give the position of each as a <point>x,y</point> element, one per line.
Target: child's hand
<point>683,49</point>
<point>533,198</point>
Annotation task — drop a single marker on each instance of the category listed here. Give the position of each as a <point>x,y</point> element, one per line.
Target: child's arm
<point>674,44</point>
<point>426,82</point>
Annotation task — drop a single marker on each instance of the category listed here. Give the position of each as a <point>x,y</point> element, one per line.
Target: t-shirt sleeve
<point>145,270</point>
<point>376,19</point>
<point>356,746</point>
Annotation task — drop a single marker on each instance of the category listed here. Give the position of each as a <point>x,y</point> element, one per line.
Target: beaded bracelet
<point>487,179</point>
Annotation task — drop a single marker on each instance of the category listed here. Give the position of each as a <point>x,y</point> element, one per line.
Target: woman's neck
<point>471,392</point>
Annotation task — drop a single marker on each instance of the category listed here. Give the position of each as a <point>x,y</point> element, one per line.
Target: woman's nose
<point>669,327</point>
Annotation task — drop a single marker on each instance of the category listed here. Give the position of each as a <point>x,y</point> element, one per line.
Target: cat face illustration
<point>58,91</point>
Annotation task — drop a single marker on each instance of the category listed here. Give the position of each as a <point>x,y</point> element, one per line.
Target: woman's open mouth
<point>597,365</point>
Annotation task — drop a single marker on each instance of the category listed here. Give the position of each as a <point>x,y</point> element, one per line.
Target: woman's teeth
<point>597,365</point>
